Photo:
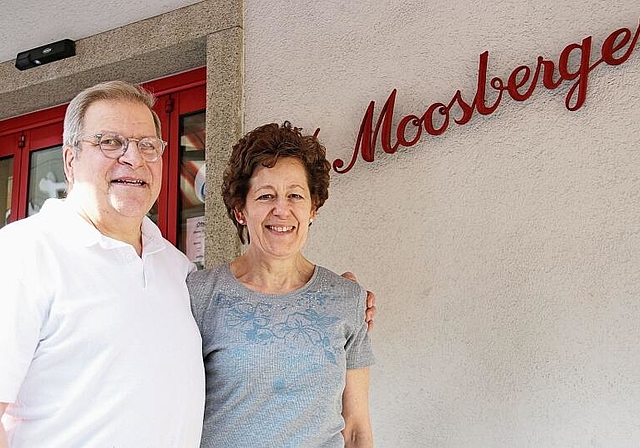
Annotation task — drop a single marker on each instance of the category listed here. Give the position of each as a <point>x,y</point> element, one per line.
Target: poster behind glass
<point>191,199</point>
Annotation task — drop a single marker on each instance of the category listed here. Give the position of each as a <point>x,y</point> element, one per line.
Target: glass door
<point>182,199</point>
<point>43,175</point>
<point>46,178</point>
<point>30,163</point>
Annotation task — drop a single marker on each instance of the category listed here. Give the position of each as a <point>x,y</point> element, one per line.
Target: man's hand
<point>371,302</point>
<point>4,443</point>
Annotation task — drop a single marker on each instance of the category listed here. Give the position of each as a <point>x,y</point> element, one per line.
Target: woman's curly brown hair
<point>263,147</point>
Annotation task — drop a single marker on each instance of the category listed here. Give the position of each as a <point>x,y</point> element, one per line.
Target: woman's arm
<point>355,410</point>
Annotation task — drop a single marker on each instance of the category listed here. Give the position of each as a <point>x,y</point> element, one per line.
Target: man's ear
<point>69,156</point>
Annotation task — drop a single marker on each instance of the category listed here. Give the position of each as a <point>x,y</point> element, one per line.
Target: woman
<point>284,341</point>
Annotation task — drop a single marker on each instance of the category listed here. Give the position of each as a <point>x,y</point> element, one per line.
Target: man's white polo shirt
<point>98,347</point>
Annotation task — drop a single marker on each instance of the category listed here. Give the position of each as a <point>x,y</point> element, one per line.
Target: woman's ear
<point>313,215</point>
<point>239,217</point>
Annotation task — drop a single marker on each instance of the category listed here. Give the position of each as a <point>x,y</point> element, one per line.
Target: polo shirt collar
<point>85,234</point>
<point>152,239</point>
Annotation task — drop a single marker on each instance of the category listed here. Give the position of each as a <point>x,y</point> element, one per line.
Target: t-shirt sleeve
<point>21,316</point>
<point>198,293</point>
<point>358,346</point>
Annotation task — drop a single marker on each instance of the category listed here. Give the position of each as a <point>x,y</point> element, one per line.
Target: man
<point>97,342</point>
<point>98,347</point>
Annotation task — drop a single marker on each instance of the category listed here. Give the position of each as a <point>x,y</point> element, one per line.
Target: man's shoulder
<point>21,243</point>
<point>24,231</point>
<point>154,242</point>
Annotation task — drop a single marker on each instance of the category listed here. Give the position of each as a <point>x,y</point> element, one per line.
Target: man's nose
<point>132,155</point>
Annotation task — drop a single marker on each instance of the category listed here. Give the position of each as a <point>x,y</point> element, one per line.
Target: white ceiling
<point>27,24</point>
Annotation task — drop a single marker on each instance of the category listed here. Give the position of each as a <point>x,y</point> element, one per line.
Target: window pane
<point>192,179</point>
<point>46,178</point>
<point>6,185</point>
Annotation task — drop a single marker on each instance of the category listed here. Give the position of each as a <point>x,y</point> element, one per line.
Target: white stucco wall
<point>504,253</point>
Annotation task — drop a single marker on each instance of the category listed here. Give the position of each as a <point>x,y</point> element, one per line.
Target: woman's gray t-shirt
<point>276,364</point>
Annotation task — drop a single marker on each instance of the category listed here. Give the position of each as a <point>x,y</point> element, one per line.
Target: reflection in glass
<point>6,184</point>
<point>46,178</point>
<point>153,213</point>
<point>192,181</point>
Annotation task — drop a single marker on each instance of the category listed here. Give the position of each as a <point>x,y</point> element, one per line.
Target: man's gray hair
<point>110,91</point>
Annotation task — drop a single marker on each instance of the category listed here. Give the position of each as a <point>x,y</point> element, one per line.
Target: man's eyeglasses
<point>114,146</point>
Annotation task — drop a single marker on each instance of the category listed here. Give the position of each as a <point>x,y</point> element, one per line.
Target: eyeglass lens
<point>114,146</point>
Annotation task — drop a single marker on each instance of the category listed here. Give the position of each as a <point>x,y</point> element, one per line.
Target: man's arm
<point>21,316</point>
<point>371,310</point>
<point>357,431</point>
<point>4,443</point>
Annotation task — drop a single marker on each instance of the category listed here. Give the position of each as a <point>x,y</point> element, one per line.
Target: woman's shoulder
<point>207,277</point>
<point>202,286</point>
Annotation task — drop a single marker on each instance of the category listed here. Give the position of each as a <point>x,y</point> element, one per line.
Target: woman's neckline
<point>296,290</point>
